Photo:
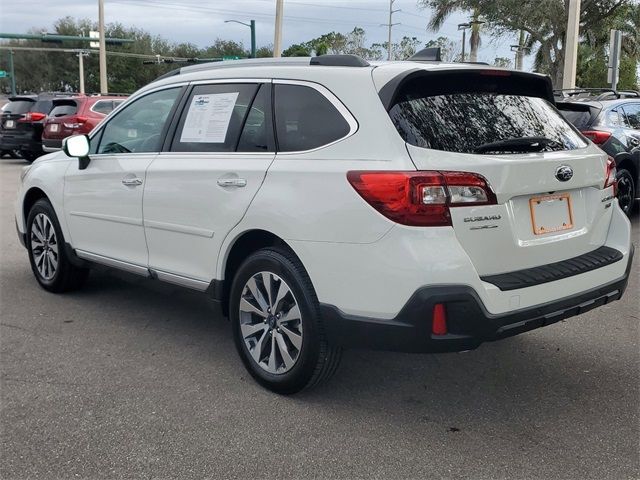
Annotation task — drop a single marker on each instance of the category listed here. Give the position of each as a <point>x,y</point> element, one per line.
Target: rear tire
<point>626,191</point>
<point>277,325</point>
<point>47,255</point>
<point>28,155</point>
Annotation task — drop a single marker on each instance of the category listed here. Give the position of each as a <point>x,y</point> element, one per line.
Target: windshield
<point>463,122</point>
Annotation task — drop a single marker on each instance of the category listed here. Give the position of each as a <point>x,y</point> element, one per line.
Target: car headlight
<point>24,172</point>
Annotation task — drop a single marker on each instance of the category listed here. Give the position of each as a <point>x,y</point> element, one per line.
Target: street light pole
<point>463,27</point>
<point>81,56</point>
<point>252,26</point>
<point>103,49</point>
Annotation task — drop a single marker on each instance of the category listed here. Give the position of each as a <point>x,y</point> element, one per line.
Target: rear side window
<point>61,109</point>
<point>18,106</point>
<point>466,119</point>
<point>632,112</point>
<point>103,106</point>
<point>306,119</point>
<point>213,117</point>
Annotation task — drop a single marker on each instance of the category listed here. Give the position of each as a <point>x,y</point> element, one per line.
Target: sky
<point>201,22</point>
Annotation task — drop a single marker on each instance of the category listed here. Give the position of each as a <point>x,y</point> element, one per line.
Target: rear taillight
<point>420,199</point>
<point>32,117</point>
<point>596,136</point>
<point>610,176</point>
<point>75,122</point>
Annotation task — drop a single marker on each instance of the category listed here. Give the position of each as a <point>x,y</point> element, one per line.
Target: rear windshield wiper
<point>521,144</point>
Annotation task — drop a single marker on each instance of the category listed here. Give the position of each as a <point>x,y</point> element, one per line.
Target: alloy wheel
<point>270,322</point>
<point>625,193</point>
<point>44,246</point>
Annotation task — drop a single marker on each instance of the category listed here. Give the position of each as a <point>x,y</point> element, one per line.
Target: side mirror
<point>77,146</point>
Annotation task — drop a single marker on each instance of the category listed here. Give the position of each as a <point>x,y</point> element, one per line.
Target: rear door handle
<point>232,182</point>
<point>131,182</point>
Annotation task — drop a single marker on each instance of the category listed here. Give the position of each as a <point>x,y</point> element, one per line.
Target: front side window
<point>138,128</point>
<point>213,117</point>
<point>306,119</point>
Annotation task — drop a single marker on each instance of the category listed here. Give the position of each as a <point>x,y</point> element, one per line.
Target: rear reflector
<point>596,136</point>
<point>439,323</point>
<point>420,199</point>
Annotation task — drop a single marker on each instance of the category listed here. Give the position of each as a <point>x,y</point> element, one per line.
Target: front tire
<point>276,323</point>
<point>47,255</point>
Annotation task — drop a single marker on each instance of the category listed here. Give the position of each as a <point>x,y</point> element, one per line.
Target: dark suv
<point>611,120</point>
<point>22,123</point>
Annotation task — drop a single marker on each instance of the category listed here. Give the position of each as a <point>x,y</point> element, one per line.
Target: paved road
<point>129,378</point>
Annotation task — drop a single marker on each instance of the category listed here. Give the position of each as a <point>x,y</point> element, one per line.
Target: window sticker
<point>208,118</point>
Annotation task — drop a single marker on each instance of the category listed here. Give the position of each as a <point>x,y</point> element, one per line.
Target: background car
<point>611,120</point>
<point>10,153</point>
<point>76,115</point>
<point>22,123</point>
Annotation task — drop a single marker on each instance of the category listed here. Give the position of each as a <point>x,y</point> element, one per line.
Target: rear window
<point>581,119</point>
<point>18,106</point>
<point>466,120</point>
<point>61,109</point>
<point>42,106</point>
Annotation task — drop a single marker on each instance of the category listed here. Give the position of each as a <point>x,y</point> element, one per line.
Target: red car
<point>76,115</point>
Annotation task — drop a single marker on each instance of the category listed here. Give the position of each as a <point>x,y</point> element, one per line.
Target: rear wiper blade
<point>521,144</point>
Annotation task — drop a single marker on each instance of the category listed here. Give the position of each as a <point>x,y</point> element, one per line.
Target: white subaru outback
<point>330,203</point>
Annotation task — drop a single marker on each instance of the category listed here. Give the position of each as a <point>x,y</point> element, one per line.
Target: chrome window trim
<point>335,101</point>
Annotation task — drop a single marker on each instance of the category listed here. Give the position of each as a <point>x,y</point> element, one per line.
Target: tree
<point>442,10</point>
<point>297,50</point>
<point>544,21</point>
<point>503,62</point>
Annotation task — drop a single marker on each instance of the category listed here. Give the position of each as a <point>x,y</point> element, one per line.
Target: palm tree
<point>442,9</point>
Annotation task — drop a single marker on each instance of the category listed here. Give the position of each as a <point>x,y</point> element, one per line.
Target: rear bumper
<point>20,142</point>
<point>468,321</point>
<point>51,145</point>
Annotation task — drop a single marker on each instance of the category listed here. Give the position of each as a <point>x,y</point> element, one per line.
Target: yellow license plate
<point>551,213</point>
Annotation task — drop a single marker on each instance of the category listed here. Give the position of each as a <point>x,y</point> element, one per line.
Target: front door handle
<point>131,182</point>
<point>232,182</point>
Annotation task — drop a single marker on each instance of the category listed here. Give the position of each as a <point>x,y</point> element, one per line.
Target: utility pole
<point>463,27</point>
<point>12,72</point>
<point>103,49</point>
<point>390,26</point>
<point>277,40</point>
<point>520,50</point>
<point>571,45</point>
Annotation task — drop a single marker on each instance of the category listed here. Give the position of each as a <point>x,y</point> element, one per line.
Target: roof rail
<point>339,61</point>
<point>595,93</point>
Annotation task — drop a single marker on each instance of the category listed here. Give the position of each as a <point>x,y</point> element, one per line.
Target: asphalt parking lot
<point>132,379</point>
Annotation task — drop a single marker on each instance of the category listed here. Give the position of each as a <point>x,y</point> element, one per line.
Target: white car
<point>331,203</point>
